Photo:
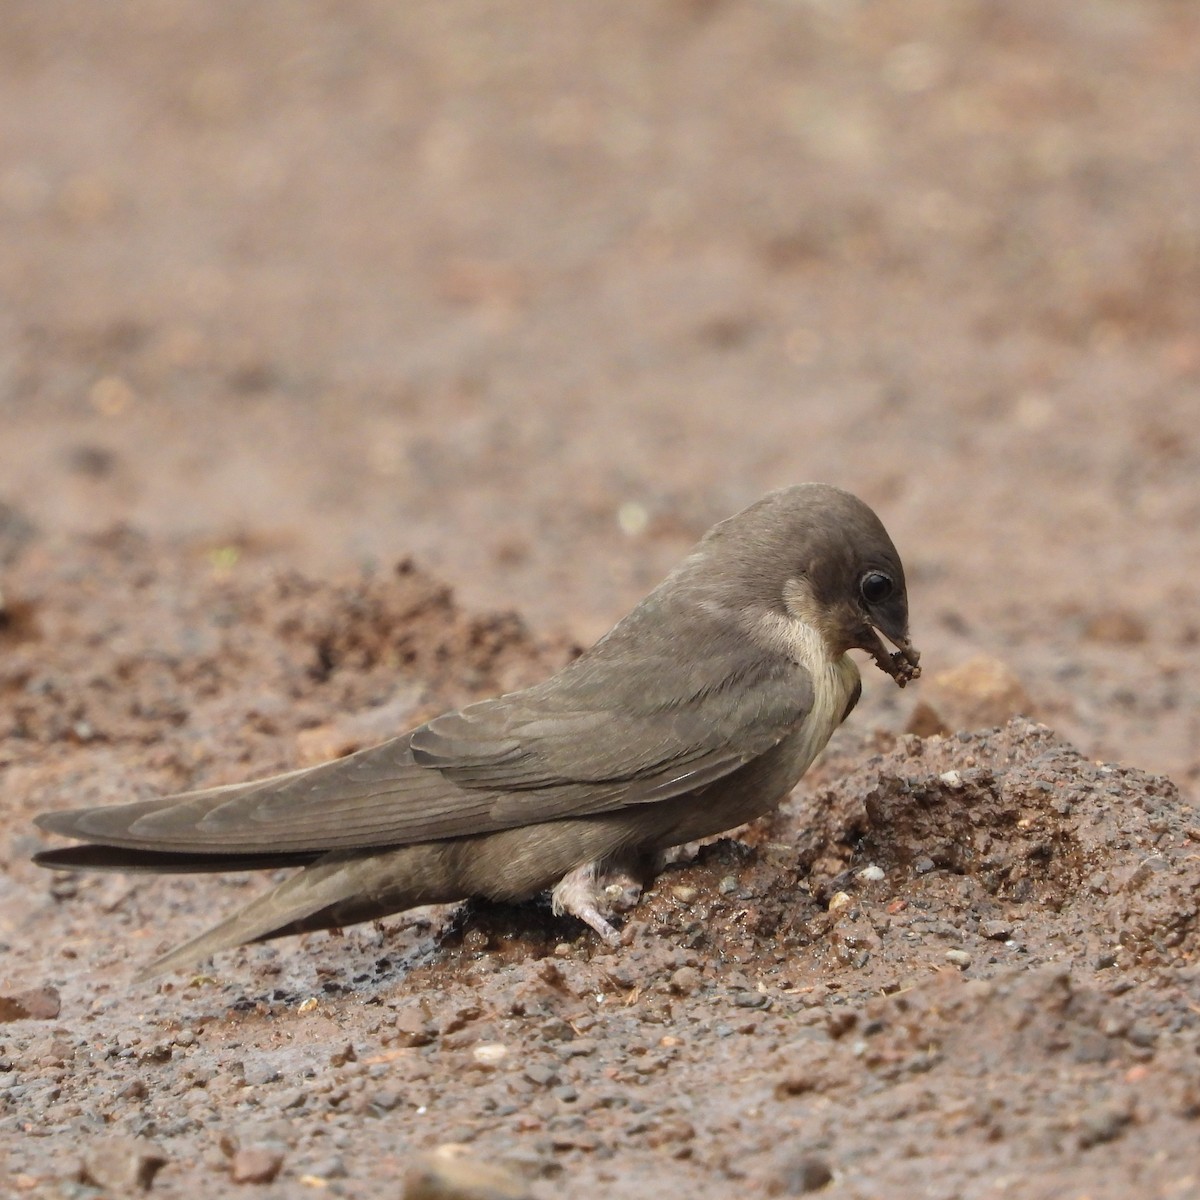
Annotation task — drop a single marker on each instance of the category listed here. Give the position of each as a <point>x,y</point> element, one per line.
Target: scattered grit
<point>956,966</point>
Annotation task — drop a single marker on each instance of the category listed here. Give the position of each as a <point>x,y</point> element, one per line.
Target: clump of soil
<point>1015,823</point>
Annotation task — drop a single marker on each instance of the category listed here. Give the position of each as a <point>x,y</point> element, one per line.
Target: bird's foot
<point>622,892</point>
<point>582,894</point>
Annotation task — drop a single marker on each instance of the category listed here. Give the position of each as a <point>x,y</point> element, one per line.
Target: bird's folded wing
<point>539,755</point>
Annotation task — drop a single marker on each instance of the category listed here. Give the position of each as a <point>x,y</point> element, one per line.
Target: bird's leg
<point>587,890</point>
<point>577,893</point>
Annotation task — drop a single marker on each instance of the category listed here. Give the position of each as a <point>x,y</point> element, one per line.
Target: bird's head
<point>815,554</point>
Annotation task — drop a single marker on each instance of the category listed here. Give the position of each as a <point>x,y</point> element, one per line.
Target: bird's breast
<point>761,784</point>
<point>834,683</point>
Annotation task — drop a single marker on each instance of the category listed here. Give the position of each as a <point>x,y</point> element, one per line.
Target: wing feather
<point>589,741</point>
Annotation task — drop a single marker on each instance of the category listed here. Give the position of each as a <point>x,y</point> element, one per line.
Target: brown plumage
<point>697,712</point>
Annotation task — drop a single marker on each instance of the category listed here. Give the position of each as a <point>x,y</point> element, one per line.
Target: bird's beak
<point>902,665</point>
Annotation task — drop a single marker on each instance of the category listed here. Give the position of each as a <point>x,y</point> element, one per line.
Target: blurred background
<point>537,292</point>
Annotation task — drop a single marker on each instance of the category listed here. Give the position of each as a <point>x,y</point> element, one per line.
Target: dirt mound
<point>1023,824</point>
<point>985,851</point>
<point>206,667</point>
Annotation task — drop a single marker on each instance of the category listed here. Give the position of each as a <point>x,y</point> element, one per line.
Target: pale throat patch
<point>806,622</point>
<point>800,634</point>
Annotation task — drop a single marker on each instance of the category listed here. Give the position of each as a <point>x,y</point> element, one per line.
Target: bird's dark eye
<point>875,587</point>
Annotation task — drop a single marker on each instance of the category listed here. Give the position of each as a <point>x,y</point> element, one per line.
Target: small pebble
<point>450,1174</point>
<point>342,1056</point>
<point>255,1164</point>
<point>490,1054</point>
<point>260,1072</point>
<point>750,1000</point>
<point>871,874</point>
<point>958,958</point>
<point>1102,1123</point>
<point>579,1048</point>
<point>37,1004</point>
<point>122,1165</point>
<point>685,981</point>
<point>1141,1034</point>
<point>411,1028</point>
<point>632,518</point>
<point>328,1168</point>
<point>541,1074</point>
<point>555,1029</point>
<point>808,1173</point>
<point>160,1052</point>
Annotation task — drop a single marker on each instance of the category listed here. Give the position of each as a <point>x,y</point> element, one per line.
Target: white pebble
<point>632,518</point>
<point>871,874</point>
<point>490,1054</point>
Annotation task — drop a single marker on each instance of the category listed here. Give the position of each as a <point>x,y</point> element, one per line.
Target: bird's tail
<point>340,889</point>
